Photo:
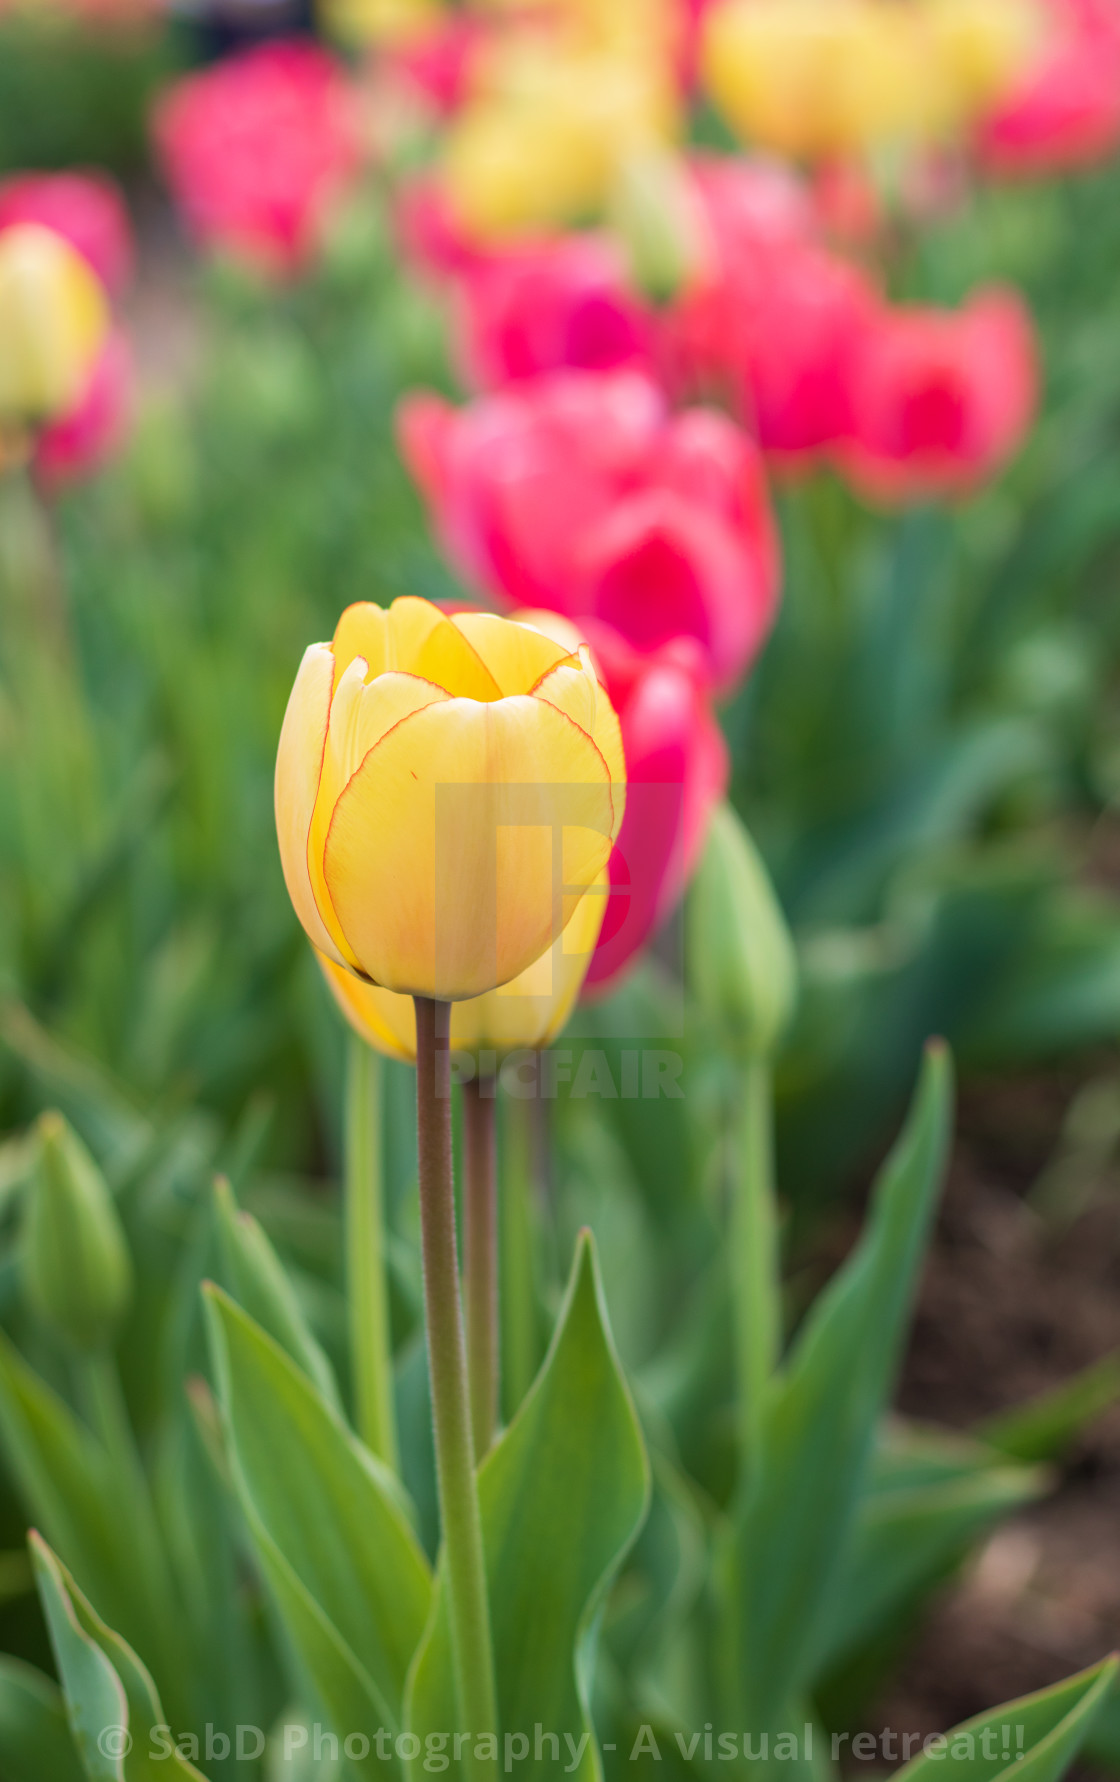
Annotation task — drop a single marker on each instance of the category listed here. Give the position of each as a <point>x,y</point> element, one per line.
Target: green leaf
<point>35,1742</point>
<point>71,1489</point>
<point>328,1525</point>
<point>1034,1739</point>
<point>115,1715</point>
<point>911,1530</point>
<point>788,1542</point>
<point>258,1282</point>
<point>563,1494</point>
<point>1045,1427</point>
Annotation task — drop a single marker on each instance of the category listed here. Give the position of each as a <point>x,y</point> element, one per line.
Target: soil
<point>1015,1300</point>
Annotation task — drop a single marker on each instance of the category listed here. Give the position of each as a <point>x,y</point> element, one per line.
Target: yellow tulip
<point>53,320</point>
<point>529,1012</point>
<point>426,767</point>
<point>391,22</point>
<point>552,116</point>
<point>986,45</point>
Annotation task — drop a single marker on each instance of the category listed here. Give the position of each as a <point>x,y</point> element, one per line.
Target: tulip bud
<point>53,320</point>
<point>76,1263</point>
<point>656,214</point>
<point>742,962</point>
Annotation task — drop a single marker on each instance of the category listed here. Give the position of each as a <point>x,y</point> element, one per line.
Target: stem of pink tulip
<point>480,1258</point>
<point>464,1561</point>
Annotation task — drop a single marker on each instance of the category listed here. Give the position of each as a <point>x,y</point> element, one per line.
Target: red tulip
<point>564,304</point>
<point>939,399</point>
<point>257,149</point>
<point>80,442</point>
<point>1065,112</point>
<point>771,326</point>
<point>437,64</point>
<point>677,771</point>
<point>86,209</point>
<point>581,494</point>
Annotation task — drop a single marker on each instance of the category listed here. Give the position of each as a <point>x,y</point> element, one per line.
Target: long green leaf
<point>116,1720</point>
<point>35,1742</point>
<point>328,1526</point>
<point>1034,1739</point>
<point>563,1494</point>
<point>789,1542</point>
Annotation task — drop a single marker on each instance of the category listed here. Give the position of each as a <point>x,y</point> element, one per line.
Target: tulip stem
<point>519,1312</point>
<point>472,1647</point>
<point>367,1287</point>
<point>480,1258</point>
<point>754,1257</point>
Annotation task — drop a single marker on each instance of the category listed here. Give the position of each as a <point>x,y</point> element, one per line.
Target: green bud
<point>76,1264</point>
<point>742,964</point>
<point>656,217</point>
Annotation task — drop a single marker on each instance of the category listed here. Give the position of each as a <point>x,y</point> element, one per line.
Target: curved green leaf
<point>115,1716</point>
<point>790,1536</point>
<point>563,1494</point>
<point>1034,1739</point>
<point>328,1527</point>
<point>35,1742</point>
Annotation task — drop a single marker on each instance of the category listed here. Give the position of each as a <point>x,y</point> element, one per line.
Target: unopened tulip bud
<point>76,1263</point>
<point>53,321</point>
<point>742,961</point>
<point>657,216</point>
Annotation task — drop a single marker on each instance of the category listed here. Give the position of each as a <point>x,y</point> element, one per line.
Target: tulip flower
<point>92,431</point>
<point>258,149</point>
<point>425,765</point>
<point>530,1011</point>
<point>1064,112</point>
<point>939,399</point>
<point>53,320</point>
<point>773,331</point>
<point>86,209</point>
<point>677,771</point>
<point>582,495</point>
<point>561,305</point>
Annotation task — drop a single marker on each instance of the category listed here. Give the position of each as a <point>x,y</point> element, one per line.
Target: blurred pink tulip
<point>564,304</point>
<point>581,494</point>
<point>79,443</point>
<point>676,770</point>
<point>1065,112</point>
<point>257,149</point>
<point>86,209</point>
<point>939,399</point>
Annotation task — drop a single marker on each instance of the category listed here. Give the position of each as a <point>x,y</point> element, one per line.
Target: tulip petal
<point>385,1021</point>
<point>515,655</point>
<point>416,638</point>
<point>299,761</point>
<point>573,688</point>
<point>450,896</point>
<point>361,713</point>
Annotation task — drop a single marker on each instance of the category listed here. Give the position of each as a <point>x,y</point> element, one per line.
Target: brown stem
<point>480,1258</point>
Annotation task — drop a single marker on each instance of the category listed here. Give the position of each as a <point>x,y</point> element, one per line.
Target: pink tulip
<point>257,150</point>
<point>564,304</point>
<point>677,770</point>
<point>1065,112</point>
<point>78,444</point>
<point>939,399</point>
<point>86,209</point>
<point>437,64</point>
<point>583,495</point>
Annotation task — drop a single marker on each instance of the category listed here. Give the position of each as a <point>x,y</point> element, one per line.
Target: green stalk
<point>471,1643</point>
<point>518,1273</point>
<point>367,1289</point>
<point>754,1256</point>
<point>480,1258</point>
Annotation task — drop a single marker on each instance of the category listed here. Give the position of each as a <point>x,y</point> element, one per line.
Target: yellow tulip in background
<point>53,320</point>
<point>555,111</point>
<point>429,770</point>
<point>818,78</point>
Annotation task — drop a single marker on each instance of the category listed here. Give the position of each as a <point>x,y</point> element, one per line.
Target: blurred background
<point>880,241</point>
